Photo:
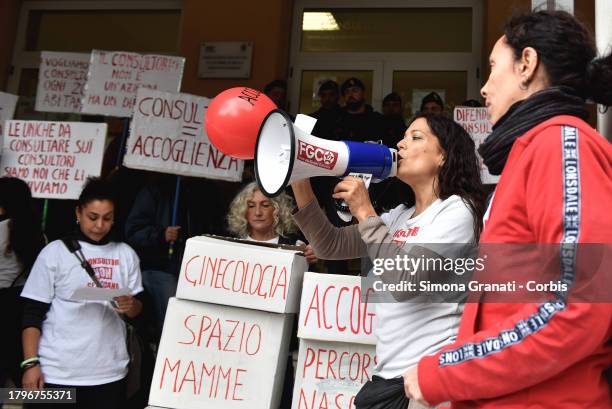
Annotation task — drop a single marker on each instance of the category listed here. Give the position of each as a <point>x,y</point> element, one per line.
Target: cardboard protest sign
<point>7,109</point>
<point>61,80</point>
<point>241,275</point>
<point>54,158</point>
<point>220,357</point>
<point>475,120</point>
<point>329,374</point>
<point>334,308</point>
<point>167,135</point>
<point>115,76</point>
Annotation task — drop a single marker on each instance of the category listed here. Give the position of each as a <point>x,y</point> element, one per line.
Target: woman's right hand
<point>33,378</point>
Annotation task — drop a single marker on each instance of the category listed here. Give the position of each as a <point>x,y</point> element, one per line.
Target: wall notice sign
<point>167,135</point>
<point>61,80</point>
<point>54,158</point>
<point>334,308</point>
<point>475,120</point>
<point>225,59</point>
<point>329,374</point>
<point>214,356</point>
<point>7,109</point>
<point>115,76</point>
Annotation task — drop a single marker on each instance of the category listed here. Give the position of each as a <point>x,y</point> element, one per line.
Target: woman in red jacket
<point>555,188</point>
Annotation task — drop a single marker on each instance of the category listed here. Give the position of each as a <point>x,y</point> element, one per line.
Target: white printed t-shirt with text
<point>82,342</point>
<point>407,331</point>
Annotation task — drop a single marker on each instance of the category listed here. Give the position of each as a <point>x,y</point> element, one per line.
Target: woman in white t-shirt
<point>70,340</point>
<point>437,160</point>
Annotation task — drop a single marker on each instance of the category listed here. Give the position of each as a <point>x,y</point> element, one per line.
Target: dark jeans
<point>161,286</point>
<point>11,354</point>
<point>106,396</point>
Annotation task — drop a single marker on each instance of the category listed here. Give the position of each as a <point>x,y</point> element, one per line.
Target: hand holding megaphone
<point>353,191</point>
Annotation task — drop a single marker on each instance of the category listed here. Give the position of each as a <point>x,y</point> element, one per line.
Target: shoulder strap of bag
<point>74,247</point>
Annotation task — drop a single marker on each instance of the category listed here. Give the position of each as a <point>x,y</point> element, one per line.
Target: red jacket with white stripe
<point>556,187</point>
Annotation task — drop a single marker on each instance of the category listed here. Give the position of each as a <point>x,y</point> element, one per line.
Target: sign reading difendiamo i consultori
<point>54,158</point>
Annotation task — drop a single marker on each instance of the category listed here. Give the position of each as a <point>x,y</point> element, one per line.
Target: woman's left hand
<point>353,191</point>
<point>311,258</point>
<point>411,386</point>
<point>128,305</point>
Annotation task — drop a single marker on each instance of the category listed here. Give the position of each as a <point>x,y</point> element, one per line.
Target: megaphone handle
<point>342,208</point>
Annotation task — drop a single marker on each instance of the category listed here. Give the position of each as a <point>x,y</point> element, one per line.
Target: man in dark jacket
<point>359,122</point>
<point>150,231</point>
<point>328,115</point>
<point>394,123</point>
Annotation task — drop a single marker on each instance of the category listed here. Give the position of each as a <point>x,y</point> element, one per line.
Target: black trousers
<point>106,396</point>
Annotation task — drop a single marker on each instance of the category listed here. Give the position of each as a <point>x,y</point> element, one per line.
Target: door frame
<point>325,65</point>
<point>386,62</point>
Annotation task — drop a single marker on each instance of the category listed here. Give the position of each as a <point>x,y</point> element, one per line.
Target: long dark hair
<point>460,172</point>
<point>566,50</point>
<point>25,235</point>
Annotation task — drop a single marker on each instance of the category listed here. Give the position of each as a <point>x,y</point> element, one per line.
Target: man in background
<point>359,122</point>
<point>277,92</point>
<point>329,113</point>
<point>393,117</point>
<point>432,103</point>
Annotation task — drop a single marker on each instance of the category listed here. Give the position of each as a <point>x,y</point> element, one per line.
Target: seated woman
<point>253,216</point>
<point>80,343</point>
<point>437,160</point>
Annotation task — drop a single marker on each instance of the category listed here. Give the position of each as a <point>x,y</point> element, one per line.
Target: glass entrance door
<point>407,46</point>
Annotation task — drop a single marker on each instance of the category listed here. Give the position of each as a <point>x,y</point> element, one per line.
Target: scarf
<point>78,235</point>
<point>524,115</point>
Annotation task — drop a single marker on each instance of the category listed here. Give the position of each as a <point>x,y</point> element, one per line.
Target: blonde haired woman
<point>253,216</point>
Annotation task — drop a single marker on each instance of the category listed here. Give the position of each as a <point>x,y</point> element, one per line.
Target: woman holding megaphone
<point>437,160</point>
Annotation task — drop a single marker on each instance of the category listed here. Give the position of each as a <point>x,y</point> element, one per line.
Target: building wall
<point>497,12</point>
<point>9,16</point>
<point>266,24</point>
<point>495,15</point>
<point>268,28</point>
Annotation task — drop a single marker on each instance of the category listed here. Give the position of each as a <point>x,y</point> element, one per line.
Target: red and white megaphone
<point>244,123</point>
<point>285,153</point>
<point>233,119</point>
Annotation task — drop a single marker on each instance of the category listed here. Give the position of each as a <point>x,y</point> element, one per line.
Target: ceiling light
<point>319,21</point>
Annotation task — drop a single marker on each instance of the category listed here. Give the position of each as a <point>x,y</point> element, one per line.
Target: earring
<point>523,85</point>
<point>78,221</point>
